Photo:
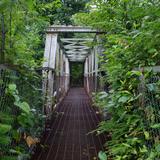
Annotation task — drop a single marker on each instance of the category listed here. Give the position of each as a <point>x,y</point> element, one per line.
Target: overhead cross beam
<point>76,48</point>
<point>73,29</point>
<point>76,39</point>
<point>80,47</point>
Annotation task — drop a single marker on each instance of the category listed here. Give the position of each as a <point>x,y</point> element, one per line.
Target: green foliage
<point>76,74</point>
<point>21,48</point>
<point>13,126</point>
<point>4,129</point>
<point>132,41</point>
<point>102,155</point>
<point>22,28</point>
<point>60,12</point>
<point>9,158</point>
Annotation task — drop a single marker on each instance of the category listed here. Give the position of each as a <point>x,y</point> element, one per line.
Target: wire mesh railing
<point>16,127</point>
<point>55,87</point>
<point>150,89</point>
<point>95,83</point>
<point>147,105</point>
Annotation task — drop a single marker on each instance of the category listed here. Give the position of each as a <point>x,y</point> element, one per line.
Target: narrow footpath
<point>69,137</point>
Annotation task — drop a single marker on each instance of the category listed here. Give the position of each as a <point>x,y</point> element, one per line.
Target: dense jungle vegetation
<point>22,39</point>
<point>132,42</point>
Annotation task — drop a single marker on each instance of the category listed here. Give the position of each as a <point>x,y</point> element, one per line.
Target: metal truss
<point>76,49</point>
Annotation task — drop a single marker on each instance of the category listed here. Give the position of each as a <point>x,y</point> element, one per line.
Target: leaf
<point>103,95</point>
<point>143,149</point>
<point>151,156</point>
<point>123,99</point>
<point>156,126</point>
<point>126,145</point>
<point>30,4</point>
<point>14,151</point>
<point>151,87</point>
<point>4,128</point>
<point>16,135</point>
<point>6,118</point>
<point>24,106</point>
<point>12,87</point>
<point>146,134</point>
<point>131,73</point>
<point>152,50</point>
<point>31,141</point>
<point>157,148</point>
<point>16,98</point>
<point>5,140</point>
<point>102,155</point>
<point>26,120</point>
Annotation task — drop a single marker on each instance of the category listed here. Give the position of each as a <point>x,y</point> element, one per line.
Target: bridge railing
<point>55,73</point>
<point>27,88</point>
<point>149,101</point>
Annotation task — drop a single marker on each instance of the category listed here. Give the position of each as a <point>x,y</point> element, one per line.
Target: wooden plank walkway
<point>68,138</point>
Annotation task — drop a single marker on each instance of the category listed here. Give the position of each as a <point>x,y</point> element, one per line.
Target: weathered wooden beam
<point>76,58</point>
<point>73,29</point>
<point>76,47</point>
<point>76,61</point>
<point>75,55</point>
<point>71,40</point>
<point>76,52</point>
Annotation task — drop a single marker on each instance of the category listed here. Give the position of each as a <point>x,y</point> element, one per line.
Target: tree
<point>60,11</point>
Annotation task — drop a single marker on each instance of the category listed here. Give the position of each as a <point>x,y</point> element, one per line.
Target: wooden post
<point>87,73</point>
<point>92,65</point>
<point>96,67</point>
<point>48,73</point>
<point>67,74</point>
<point>50,51</point>
<point>92,71</point>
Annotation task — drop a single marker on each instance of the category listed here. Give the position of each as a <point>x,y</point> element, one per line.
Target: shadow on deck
<point>68,138</point>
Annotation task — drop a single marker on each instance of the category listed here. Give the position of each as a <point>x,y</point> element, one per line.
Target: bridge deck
<point>68,138</point>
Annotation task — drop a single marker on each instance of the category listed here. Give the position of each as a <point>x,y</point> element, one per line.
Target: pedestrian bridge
<point>68,134</point>
<point>60,53</point>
